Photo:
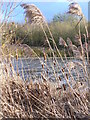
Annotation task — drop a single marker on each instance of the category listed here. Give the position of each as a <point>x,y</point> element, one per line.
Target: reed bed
<point>43,98</point>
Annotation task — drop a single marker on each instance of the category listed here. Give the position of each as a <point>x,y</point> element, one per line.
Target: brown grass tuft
<point>35,100</point>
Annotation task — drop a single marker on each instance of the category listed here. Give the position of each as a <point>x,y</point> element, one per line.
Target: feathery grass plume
<point>69,42</point>
<point>77,39</point>
<point>74,49</point>
<point>74,8</point>
<point>62,42</point>
<point>33,14</point>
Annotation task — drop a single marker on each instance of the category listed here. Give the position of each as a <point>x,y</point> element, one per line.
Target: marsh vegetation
<point>60,88</point>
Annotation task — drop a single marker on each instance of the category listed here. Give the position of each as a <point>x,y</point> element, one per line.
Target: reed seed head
<point>74,8</point>
<point>33,14</point>
<point>69,42</point>
<point>62,42</point>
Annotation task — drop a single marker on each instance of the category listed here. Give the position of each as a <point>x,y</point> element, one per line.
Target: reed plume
<point>33,14</point>
<point>62,42</point>
<point>74,8</point>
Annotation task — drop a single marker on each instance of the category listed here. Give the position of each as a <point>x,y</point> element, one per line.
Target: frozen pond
<point>34,68</point>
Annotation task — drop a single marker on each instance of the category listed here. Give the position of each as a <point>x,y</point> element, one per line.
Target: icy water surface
<point>32,68</point>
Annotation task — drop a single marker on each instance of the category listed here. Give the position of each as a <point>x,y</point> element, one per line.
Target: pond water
<point>31,68</point>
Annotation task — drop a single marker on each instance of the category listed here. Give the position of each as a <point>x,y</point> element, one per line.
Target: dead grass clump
<point>21,99</point>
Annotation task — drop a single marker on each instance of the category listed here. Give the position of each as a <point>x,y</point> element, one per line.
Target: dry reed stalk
<point>25,100</point>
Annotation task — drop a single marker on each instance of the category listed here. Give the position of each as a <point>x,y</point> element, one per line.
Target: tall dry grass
<point>66,97</point>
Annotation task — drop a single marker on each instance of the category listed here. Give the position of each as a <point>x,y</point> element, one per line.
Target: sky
<point>49,9</point>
